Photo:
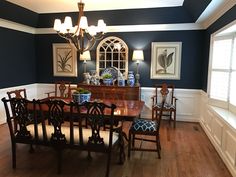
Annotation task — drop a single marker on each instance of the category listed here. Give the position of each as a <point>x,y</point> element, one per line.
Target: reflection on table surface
<point>125,108</point>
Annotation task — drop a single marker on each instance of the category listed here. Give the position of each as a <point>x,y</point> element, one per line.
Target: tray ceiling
<point>53,6</point>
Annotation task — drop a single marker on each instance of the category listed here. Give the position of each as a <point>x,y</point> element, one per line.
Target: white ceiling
<point>52,6</point>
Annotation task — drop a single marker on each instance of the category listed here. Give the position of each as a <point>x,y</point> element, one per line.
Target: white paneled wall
<point>188,102</point>
<point>219,126</point>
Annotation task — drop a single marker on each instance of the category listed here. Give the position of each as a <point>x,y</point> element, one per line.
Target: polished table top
<point>124,108</point>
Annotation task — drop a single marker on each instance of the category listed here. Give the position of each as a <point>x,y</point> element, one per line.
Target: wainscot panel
<point>220,127</point>
<point>187,103</point>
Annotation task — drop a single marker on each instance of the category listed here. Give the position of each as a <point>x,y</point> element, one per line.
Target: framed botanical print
<point>64,60</point>
<point>166,60</point>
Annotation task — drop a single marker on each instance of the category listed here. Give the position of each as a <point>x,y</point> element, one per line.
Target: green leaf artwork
<point>164,61</point>
<point>63,61</point>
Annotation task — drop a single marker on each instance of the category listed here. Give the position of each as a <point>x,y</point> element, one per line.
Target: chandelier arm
<point>91,43</point>
<point>62,35</point>
<point>73,41</point>
<point>99,36</point>
<point>89,46</point>
<point>88,36</point>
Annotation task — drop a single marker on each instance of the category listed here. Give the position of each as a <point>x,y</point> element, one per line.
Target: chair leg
<point>89,157</point>
<point>159,143</point>
<point>129,144</point>
<point>133,139</point>
<point>31,150</point>
<point>158,146</point>
<point>59,158</point>
<point>14,155</point>
<point>170,117</point>
<point>174,119</point>
<point>108,164</point>
<point>122,151</point>
<point>15,126</point>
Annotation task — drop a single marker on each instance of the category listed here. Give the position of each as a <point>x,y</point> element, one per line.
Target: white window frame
<point>219,36</point>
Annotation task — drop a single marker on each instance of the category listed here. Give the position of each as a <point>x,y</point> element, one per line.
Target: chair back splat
<point>20,93</point>
<point>62,90</point>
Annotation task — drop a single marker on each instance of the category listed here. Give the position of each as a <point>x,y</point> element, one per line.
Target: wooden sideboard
<point>112,92</point>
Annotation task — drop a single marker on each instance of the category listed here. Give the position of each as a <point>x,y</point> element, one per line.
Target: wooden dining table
<point>125,110</point>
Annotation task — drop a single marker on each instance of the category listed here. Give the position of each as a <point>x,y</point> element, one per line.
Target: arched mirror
<point>112,52</point>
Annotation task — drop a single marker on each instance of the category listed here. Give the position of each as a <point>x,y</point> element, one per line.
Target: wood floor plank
<point>186,152</point>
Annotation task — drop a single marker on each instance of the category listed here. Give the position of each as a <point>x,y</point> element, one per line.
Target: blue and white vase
<point>130,80</point>
<point>108,81</point>
<point>81,97</point>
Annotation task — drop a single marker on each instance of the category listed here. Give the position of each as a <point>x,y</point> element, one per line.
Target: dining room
<point>172,61</point>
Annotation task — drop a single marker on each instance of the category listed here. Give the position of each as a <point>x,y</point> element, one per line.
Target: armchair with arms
<point>62,89</point>
<point>169,108</point>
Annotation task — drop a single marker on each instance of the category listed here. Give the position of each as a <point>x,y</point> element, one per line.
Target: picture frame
<point>64,60</point>
<point>166,60</point>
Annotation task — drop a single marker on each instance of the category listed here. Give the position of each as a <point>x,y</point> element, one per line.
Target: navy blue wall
<point>17,56</point>
<point>17,14</point>
<point>30,56</point>
<point>228,17</point>
<point>191,64</point>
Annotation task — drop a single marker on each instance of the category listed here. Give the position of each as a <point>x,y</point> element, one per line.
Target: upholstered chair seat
<point>144,125</point>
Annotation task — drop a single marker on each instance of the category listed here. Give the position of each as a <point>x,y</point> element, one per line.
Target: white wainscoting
<point>219,125</point>
<point>188,102</point>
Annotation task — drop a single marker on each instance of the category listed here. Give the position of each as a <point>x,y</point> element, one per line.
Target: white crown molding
<point>155,27</point>
<point>16,26</point>
<point>118,28</point>
<point>137,28</point>
<point>220,7</point>
<point>45,31</point>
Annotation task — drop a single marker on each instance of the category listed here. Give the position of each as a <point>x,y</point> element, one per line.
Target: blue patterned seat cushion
<point>166,106</point>
<point>143,125</point>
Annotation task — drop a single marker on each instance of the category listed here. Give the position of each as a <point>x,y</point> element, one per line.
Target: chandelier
<point>81,36</point>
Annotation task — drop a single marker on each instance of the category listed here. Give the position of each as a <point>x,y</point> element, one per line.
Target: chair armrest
<point>154,99</point>
<point>48,93</point>
<point>175,99</point>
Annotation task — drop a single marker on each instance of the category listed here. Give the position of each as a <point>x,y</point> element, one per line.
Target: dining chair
<point>146,128</point>
<point>61,89</point>
<point>96,119</point>
<point>170,101</point>
<point>19,93</point>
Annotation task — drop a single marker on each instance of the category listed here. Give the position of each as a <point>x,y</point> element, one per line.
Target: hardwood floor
<point>186,152</point>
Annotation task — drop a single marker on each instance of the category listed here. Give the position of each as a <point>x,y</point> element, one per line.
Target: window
<point>112,52</point>
<point>222,70</point>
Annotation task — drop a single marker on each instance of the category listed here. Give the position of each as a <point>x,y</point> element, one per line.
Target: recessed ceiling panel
<point>52,6</point>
